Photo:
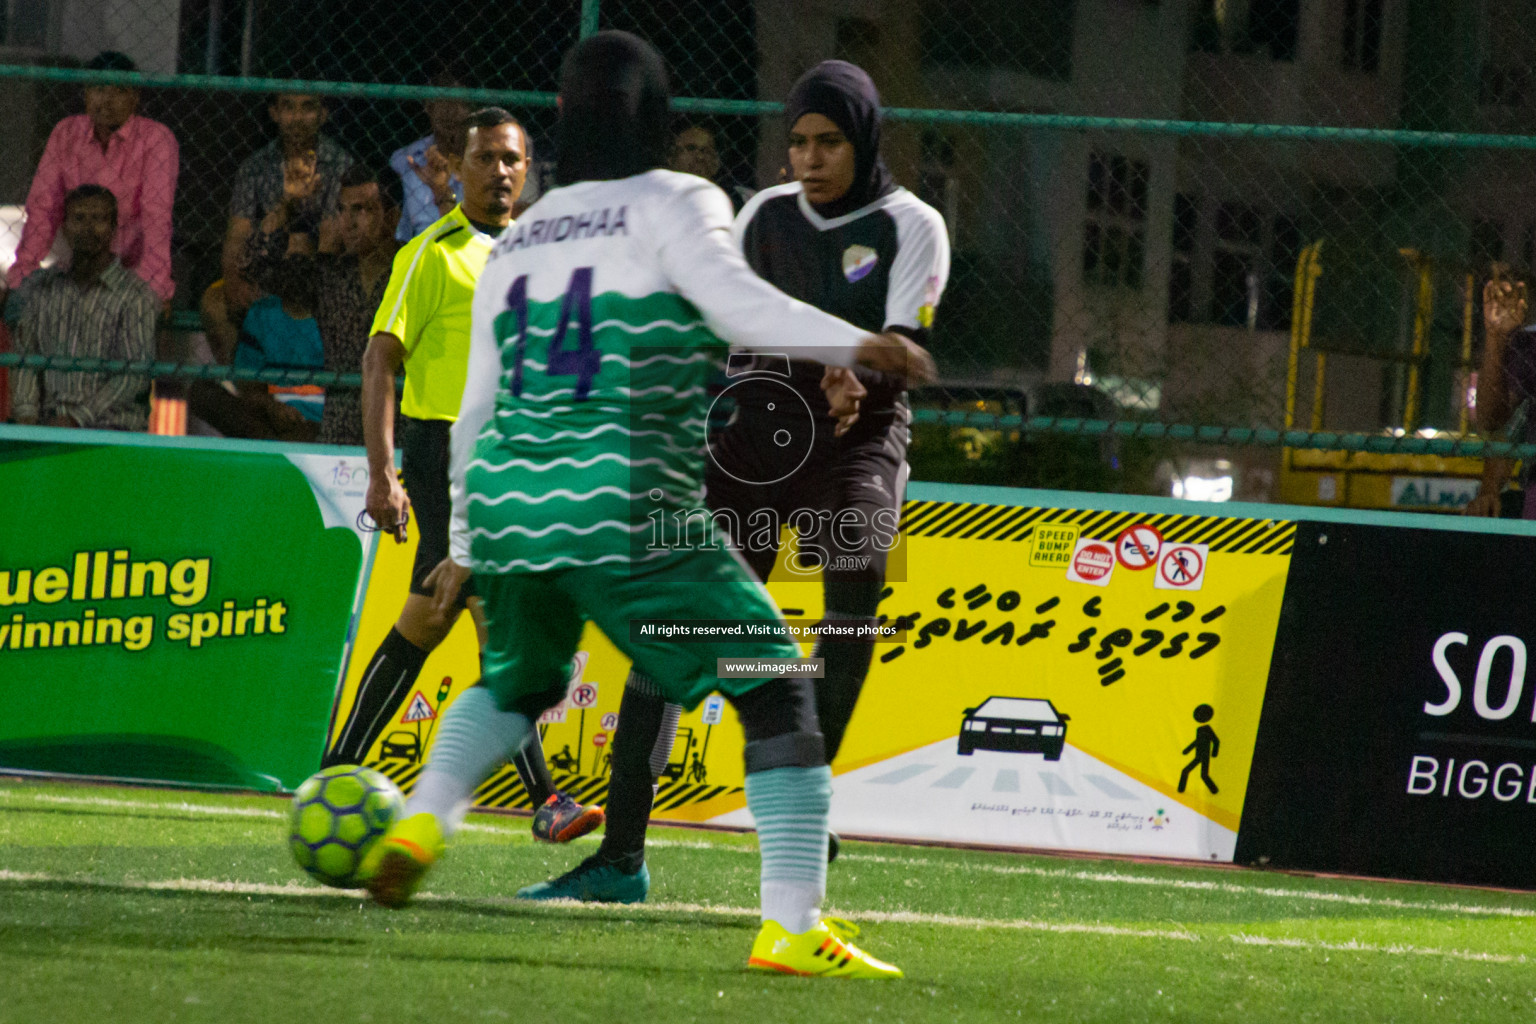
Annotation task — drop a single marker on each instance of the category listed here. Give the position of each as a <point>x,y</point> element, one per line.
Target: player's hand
<point>301,177</point>
<point>445,581</point>
<point>432,169</point>
<point>1505,303</point>
<point>387,504</point>
<point>843,390</point>
<point>283,415</point>
<point>239,294</point>
<point>899,356</point>
<point>1485,505</point>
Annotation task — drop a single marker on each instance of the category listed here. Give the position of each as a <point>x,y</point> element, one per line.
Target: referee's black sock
<point>386,682</point>
<point>629,786</point>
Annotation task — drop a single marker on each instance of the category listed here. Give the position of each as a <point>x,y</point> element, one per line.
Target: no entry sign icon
<point>1137,546</point>
<point>1092,562</point>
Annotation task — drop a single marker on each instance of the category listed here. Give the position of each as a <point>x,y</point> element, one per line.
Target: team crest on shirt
<point>858,261</point>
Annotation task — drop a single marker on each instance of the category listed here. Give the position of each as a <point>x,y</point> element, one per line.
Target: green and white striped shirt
<point>598,322</point>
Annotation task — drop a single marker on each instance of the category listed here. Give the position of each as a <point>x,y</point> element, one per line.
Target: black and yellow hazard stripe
<point>505,788</point>
<point>969,521</point>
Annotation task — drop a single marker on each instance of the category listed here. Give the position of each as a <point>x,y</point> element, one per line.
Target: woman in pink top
<point>107,145</point>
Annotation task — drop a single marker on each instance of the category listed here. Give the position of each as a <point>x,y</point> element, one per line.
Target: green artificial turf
<point>125,905</point>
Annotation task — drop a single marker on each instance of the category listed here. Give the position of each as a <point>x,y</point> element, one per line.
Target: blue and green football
<point>337,815</point>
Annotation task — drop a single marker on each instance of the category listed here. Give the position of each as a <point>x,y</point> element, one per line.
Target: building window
<point>857,39</point>
<point>1272,26</point>
<point>1362,34</point>
<point>1033,37</point>
<point>1114,238</point>
<point>1264,26</point>
<point>24,23</point>
<point>1181,271</point>
<point>1279,298</point>
<point>1502,86</point>
<point>1236,270</point>
<point>937,184</point>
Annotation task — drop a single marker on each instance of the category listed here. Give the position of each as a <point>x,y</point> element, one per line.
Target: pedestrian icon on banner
<point>1182,567</point>
<point>1093,562</point>
<point>1205,746</point>
<point>714,707</point>
<point>1137,546</point>
<point>418,710</point>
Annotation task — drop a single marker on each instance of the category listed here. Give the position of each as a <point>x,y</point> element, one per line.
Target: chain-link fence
<point>1260,215</point>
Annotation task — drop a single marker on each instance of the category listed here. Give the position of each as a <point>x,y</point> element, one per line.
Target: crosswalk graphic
<point>1018,800</point>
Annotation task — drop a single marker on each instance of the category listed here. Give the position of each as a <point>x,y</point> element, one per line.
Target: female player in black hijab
<point>844,95</point>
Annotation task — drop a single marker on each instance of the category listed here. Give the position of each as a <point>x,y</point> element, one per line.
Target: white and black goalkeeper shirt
<point>881,267</point>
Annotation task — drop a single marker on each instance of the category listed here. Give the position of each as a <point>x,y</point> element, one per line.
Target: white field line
<point>140,805</point>
<point>1318,895</point>
<point>261,812</point>
<point>1230,888</point>
<point>302,891</point>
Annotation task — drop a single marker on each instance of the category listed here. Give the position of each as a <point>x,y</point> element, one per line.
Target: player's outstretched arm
<point>693,238</point>
<point>898,356</point>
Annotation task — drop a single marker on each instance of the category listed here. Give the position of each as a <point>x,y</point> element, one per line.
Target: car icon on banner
<point>1017,725</point>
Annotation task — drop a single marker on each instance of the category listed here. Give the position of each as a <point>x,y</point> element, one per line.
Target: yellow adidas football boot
<point>822,952</point>
<point>395,866</point>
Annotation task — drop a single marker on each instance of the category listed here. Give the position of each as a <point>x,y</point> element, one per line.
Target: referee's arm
<point>387,502</point>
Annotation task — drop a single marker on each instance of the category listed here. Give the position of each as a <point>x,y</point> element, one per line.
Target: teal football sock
<point>790,806</point>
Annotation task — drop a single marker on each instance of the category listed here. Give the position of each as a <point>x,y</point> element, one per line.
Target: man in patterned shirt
<point>597,322</point>
<point>349,285</point>
<point>92,308</point>
<point>265,179</point>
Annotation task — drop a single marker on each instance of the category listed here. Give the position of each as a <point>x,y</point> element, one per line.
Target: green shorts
<point>534,621</point>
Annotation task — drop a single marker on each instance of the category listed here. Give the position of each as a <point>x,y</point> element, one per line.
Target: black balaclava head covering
<point>845,95</point>
<point>613,109</point>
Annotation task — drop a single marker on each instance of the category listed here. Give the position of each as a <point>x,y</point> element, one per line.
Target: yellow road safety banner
<point>1069,679</point>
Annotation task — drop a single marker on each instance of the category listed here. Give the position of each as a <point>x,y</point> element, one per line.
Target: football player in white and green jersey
<point>596,325</point>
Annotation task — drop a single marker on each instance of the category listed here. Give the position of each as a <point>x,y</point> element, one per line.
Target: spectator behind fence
<point>348,285</point>
<point>431,189</point>
<point>300,153</point>
<point>112,146</point>
<point>694,152</point>
<point>280,333</point>
<point>1506,387</point>
<point>92,308</point>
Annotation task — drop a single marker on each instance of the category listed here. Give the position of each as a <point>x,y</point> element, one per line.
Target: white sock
<point>475,738</point>
<point>796,906</point>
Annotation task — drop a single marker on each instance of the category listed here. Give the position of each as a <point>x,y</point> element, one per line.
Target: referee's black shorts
<point>424,469</point>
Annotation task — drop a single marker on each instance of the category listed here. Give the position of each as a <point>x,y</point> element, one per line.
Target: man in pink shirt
<point>108,145</point>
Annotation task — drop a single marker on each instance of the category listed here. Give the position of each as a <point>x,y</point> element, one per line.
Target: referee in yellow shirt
<point>423,326</point>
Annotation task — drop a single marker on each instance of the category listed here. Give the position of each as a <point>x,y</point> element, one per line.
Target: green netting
<point>1130,187</point>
